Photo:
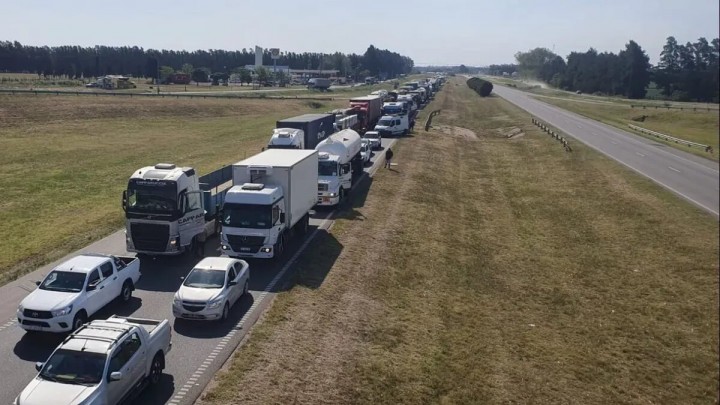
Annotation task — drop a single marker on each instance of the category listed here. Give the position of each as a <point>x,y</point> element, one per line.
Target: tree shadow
<point>312,268</point>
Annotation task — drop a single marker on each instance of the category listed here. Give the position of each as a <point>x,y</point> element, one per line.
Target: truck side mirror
<point>282,217</point>
<point>124,200</point>
<point>116,376</point>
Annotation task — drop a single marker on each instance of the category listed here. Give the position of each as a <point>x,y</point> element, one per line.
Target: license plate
<point>244,249</point>
<point>193,316</point>
<point>32,327</point>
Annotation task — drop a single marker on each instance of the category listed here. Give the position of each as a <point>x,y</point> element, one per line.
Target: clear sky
<point>437,32</point>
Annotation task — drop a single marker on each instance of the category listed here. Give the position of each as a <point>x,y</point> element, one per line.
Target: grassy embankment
<point>492,270</point>
<point>64,160</point>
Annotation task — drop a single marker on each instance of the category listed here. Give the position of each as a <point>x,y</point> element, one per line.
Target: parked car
<point>365,150</point>
<point>103,362</point>
<point>374,138</point>
<point>76,289</point>
<point>211,288</point>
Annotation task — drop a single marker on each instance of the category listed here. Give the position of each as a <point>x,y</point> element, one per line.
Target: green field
<point>64,160</point>
<point>487,269</point>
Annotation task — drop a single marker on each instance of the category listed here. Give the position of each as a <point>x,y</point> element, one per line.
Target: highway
<point>199,349</point>
<point>689,176</point>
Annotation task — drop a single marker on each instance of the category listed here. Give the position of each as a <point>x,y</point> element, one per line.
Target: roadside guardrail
<point>551,132</point>
<point>690,144</point>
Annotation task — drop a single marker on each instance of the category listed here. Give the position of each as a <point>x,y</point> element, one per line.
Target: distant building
<point>258,56</point>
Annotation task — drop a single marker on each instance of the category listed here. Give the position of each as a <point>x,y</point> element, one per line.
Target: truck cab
<point>287,138</point>
<point>339,160</point>
<point>164,213</point>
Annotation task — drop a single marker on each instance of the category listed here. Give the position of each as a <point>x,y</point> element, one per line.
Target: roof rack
<point>123,331</point>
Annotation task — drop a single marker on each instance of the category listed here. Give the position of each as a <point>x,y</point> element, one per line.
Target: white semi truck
<point>170,210</point>
<point>271,198</point>
<point>339,162</point>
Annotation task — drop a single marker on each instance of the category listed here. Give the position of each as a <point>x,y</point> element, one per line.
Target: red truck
<point>368,110</point>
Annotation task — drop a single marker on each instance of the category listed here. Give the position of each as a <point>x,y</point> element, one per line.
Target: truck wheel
<point>79,320</point>
<point>126,292</point>
<point>246,288</point>
<point>156,369</point>
<point>342,196</point>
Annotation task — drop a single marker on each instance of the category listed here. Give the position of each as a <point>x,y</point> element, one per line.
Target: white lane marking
<point>213,355</point>
<point>578,125</point>
<point>639,154</point>
<point>613,142</point>
<point>674,169</point>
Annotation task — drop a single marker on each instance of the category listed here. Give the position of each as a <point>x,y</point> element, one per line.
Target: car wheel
<point>126,292</point>
<point>155,370</point>
<point>246,288</point>
<point>225,313</point>
<point>79,320</point>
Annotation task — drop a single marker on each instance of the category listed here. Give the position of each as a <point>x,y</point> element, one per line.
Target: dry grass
<point>64,160</point>
<point>494,270</point>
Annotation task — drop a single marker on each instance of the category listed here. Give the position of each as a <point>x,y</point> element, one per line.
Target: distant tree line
<point>685,72</point>
<point>498,70</point>
<point>76,61</point>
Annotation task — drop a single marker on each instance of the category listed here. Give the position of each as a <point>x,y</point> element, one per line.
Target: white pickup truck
<point>103,362</point>
<point>76,289</point>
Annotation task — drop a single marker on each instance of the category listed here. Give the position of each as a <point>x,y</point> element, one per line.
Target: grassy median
<point>485,268</point>
<point>64,160</point>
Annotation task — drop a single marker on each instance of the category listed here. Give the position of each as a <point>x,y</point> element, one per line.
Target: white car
<point>76,289</point>
<point>211,288</point>
<point>365,150</point>
<point>374,138</point>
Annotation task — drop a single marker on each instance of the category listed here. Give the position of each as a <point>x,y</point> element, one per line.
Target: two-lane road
<point>692,177</point>
<point>199,348</point>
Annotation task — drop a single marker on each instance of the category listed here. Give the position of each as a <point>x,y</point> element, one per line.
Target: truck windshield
<point>326,168</point>
<point>247,216</point>
<point>204,278</point>
<point>385,123</point>
<point>151,197</point>
<point>74,367</point>
<point>392,110</point>
<point>64,281</point>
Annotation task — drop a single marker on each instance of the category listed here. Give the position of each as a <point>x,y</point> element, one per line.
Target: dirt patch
<point>459,132</point>
<point>511,132</point>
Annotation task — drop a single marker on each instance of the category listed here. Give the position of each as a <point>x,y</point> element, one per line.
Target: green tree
<point>187,68</point>
<point>245,76</point>
<point>165,73</point>
<point>531,62</point>
<point>636,70</point>
<point>262,74</point>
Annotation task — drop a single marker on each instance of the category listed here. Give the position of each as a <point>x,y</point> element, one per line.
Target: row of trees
<point>685,72</point>
<point>76,61</point>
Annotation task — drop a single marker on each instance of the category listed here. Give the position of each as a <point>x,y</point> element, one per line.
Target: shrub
<point>481,87</point>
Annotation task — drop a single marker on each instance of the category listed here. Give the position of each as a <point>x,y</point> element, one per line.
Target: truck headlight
<point>175,241</point>
<point>177,301</point>
<point>214,303</point>
<point>61,312</point>
<point>333,194</point>
<point>21,308</point>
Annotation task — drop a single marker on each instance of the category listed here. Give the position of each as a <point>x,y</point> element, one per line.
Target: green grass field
<point>64,160</point>
<point>488,269</point>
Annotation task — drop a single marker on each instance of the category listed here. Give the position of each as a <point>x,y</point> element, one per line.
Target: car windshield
<point>157,197</point>
<point>64,281</point>
<point>247,216</point>
<point>74,367</point>
<point>204,278</point>
<point>327,169</point>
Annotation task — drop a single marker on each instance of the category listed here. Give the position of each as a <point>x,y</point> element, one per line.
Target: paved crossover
<point>690,176</point>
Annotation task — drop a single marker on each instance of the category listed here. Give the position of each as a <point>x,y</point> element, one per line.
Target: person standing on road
<point>388,158</point>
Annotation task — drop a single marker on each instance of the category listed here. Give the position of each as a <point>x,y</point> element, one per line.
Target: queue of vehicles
<point>256,205</point>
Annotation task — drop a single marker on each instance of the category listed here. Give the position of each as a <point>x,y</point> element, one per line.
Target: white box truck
<point>270,200</point>
<point>339,162</point>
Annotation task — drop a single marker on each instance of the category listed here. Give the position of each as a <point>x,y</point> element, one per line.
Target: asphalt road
<point>689,176</point>
<point>199,348</point>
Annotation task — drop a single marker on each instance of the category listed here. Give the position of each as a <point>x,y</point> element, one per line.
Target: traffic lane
<point>687,175</point>
<point>193,343</point>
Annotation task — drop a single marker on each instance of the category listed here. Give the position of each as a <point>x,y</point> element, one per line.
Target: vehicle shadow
<point>210,329</point>
<point>37,346</point>
<point>155,394</point>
